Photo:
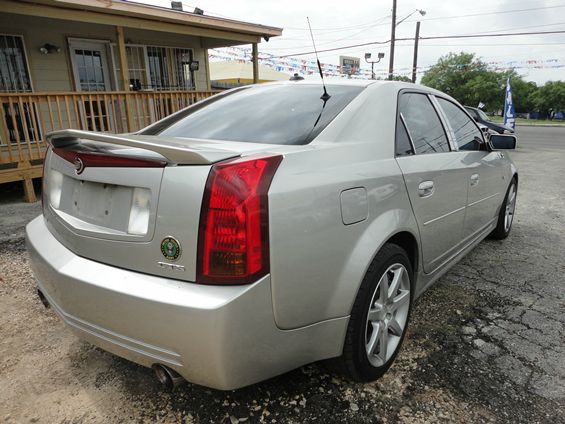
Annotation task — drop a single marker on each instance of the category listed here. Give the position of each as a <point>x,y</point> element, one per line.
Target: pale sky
<point>343,23</point>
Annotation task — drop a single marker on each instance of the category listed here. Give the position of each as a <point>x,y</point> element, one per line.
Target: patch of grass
<point>522,121</point>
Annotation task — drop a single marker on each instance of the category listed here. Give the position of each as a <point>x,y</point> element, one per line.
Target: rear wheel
<point>506,214</point>
<point>379,317</point>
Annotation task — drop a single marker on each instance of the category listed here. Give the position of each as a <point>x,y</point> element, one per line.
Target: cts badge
<point>170,248</point>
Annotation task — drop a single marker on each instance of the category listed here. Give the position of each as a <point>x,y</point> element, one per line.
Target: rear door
<point>484,169</point>
<point>435,178</point>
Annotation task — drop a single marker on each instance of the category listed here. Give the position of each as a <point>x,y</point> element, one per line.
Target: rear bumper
<point>220,337</point>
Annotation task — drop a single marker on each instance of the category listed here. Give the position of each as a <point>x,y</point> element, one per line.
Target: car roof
<point>397,85</point>
<point>356,83</point>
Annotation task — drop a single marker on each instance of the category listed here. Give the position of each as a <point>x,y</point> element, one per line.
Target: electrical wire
<point>439,37</point>
<point>500,12</point>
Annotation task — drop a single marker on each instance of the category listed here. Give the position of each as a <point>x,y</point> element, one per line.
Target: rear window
<point>272,114</point>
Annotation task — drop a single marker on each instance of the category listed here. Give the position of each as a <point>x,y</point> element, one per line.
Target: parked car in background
<point>482,118</point>
<point>267,227</point>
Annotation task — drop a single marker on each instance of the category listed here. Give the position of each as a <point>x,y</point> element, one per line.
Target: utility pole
<point>415,63</point>
<point>392,37</point>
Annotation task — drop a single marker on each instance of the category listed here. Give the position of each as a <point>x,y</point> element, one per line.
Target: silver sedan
<point>267,227</point>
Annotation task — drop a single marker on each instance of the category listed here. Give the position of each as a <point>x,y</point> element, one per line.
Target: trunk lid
<point>117,198</point>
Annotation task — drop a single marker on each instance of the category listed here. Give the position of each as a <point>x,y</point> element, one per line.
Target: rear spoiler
<point>175,151</point>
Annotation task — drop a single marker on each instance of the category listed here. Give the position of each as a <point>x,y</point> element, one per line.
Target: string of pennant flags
<point>304,67</point>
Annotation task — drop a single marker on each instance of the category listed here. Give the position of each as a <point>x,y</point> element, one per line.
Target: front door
<point>90,67</point>
<point>484,173</point>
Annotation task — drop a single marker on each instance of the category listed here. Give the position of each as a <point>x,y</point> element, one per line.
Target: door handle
<point>474,180</point>
<point>426,188</point>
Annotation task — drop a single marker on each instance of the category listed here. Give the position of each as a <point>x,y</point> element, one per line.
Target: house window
<point>157,68</point>
<point>20,116</point>
<point>137,66</point>
<point>14,73</point>
<point>185,76</point>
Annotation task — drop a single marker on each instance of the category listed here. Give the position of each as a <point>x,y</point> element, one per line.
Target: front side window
<point>423,124</point>
<point>272,114</point>
<point>483,115</point>
<point>472,112</point>
<point>467,135</point>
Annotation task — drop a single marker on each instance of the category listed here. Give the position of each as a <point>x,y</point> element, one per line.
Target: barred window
<point>14,74</point>
<point>157,68</point>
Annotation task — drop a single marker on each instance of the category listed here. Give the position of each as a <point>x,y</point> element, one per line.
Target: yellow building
<point>97,65</point>
<point>234,74</point>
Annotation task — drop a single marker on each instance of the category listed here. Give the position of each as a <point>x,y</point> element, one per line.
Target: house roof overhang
<point>136,15</point>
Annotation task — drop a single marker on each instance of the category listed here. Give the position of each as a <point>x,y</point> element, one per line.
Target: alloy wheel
<point>510,206</point>
<point>387,315</point>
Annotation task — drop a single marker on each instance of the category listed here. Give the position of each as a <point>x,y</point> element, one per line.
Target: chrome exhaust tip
<point>43,298</point>
<point>167,377</point>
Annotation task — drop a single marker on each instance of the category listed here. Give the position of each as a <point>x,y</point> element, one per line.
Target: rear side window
<point>423,124</point>
<point>467,135</point>
<point>273,114</point>
<point>403,146</point>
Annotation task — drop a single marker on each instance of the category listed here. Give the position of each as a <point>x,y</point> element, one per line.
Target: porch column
<point>255,63</point>
<point>124,76</point>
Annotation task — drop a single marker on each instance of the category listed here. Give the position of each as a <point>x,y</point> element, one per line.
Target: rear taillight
<point>43,182</point>
<point>233,239</point>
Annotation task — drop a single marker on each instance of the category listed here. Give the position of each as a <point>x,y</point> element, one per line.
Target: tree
<point>469,80</point>
<point>523,92</point>
<point>465,78</point>
<point>550,96</point>
<point>402,78</point>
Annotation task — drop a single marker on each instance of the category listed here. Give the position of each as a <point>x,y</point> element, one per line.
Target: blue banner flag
<point>509,115</point>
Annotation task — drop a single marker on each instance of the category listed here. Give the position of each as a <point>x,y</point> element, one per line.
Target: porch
<point>27,117</point>
<point>114,66</point>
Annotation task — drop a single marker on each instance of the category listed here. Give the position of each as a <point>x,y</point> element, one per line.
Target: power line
<point>331,29</point>
<point>484,45</point>
<point>490,13</point>
<point>438,37</point>
<point>353,37</point>
<point>371,23</point>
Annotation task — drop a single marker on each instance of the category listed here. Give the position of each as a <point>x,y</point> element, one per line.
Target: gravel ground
<point>486,343</point>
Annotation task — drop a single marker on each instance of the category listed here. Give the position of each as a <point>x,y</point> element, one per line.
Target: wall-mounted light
<point>49,49</point>
<point>194,65</point>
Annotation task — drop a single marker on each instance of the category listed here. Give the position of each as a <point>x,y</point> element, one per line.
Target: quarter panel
<point>317,262</point>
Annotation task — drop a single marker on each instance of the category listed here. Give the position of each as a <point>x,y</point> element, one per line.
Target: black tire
<point>354,362</point>
<point>502,230</point>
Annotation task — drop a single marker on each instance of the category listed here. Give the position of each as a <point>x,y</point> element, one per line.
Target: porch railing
<point>25,118</point>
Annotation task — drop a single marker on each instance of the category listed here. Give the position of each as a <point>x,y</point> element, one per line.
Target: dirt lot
<point>486,344</point>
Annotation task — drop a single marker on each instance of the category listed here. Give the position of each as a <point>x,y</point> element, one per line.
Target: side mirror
<point>502,142</point>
